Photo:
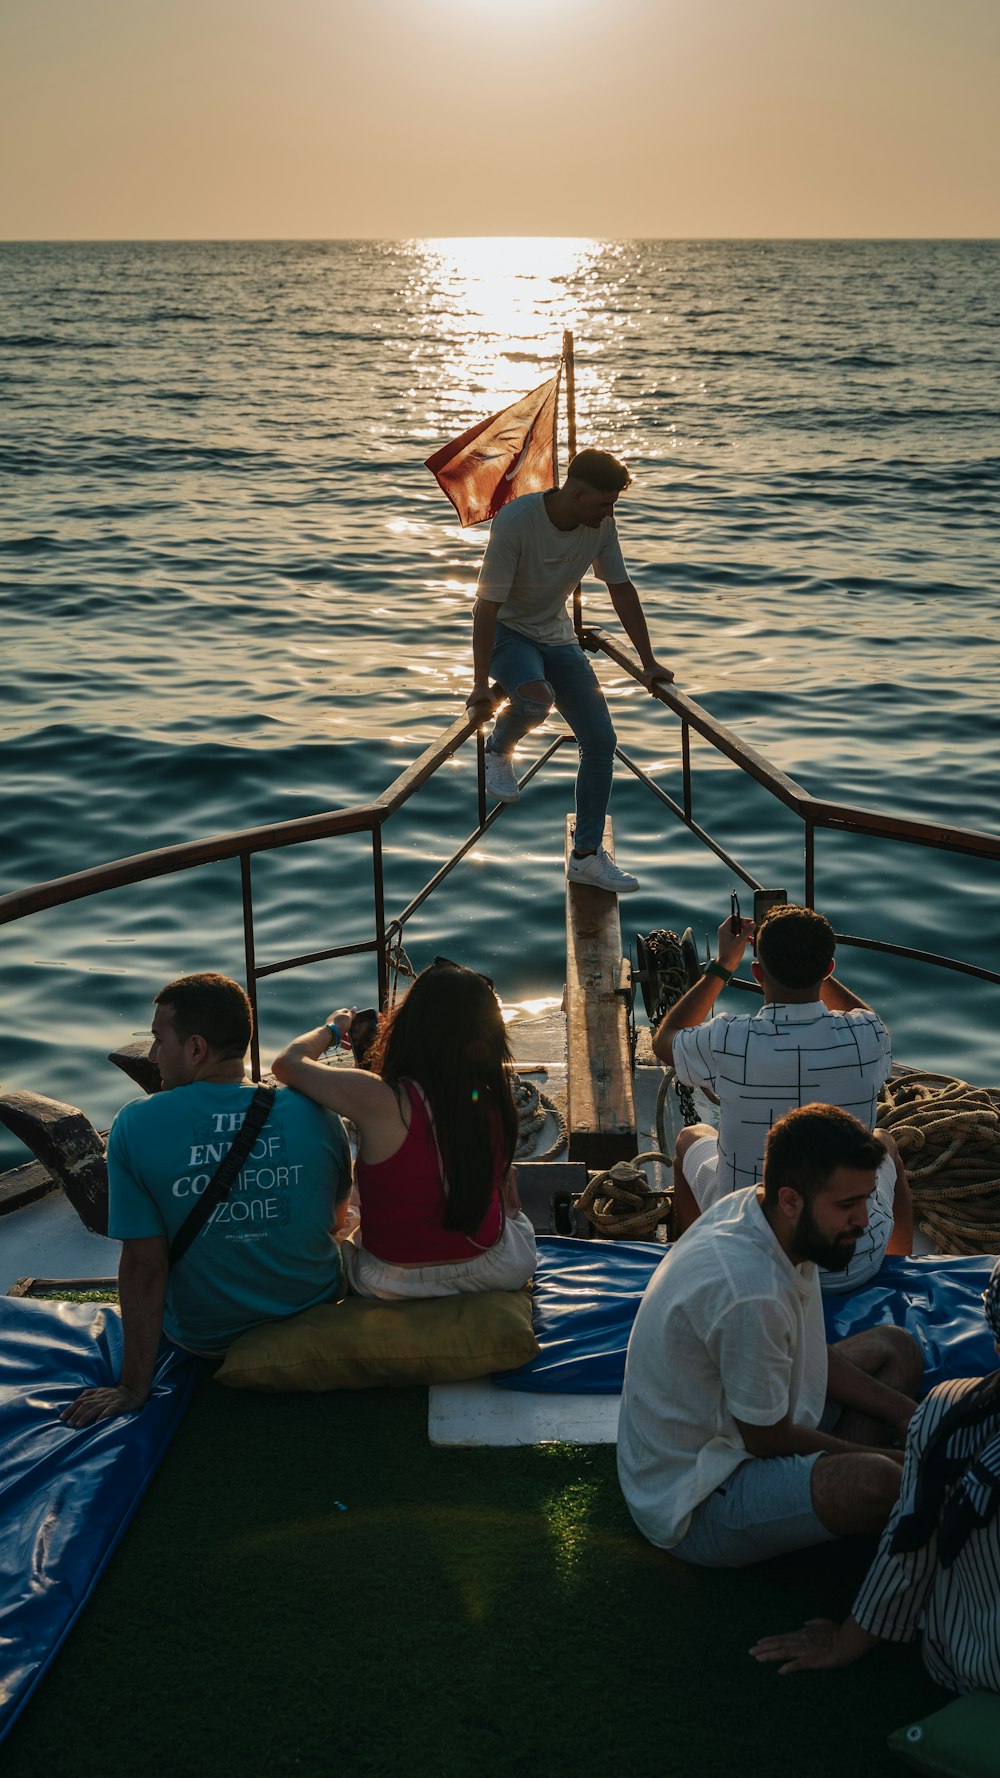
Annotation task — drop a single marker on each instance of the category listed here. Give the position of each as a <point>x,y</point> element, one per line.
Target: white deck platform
<point>47,1240</point>
<point>462,1414</point>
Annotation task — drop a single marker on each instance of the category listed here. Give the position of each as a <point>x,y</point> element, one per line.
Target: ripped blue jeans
<point>576,692</point>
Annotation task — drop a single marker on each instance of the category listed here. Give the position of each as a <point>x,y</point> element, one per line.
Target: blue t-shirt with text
<point>267,1251</point>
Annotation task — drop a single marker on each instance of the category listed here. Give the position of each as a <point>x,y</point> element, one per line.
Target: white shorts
<point>701,1170</point>
<point>763,1509</point>
<point>506,1265</point>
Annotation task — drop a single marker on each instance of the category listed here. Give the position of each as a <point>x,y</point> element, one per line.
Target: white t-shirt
<point>781,1057</point>
<point>530,568</point>
<point>728,1329</point>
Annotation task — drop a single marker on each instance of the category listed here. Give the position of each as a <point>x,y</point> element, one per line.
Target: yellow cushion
<point>360,1342</point>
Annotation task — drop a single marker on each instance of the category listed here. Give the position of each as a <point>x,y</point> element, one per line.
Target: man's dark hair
<point>599,470</point>
<point>795,946</point>
<point>807,1145</point>
<point>213,1007</point>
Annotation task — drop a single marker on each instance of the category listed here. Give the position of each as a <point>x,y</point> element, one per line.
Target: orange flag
<point>511,453</point>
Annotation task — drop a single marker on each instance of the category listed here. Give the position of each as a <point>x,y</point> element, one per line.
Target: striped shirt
<point>782,1057</point>
<point>957,1611</point>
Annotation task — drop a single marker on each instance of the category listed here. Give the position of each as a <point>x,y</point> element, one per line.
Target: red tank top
<point>402,1201</point>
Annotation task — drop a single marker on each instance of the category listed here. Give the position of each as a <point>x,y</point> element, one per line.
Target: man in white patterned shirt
<point>812,1042</point>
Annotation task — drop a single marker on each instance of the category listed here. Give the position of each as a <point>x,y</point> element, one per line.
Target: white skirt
<point>506,1265</point>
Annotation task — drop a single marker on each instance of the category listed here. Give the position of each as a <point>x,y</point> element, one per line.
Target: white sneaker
<point>601,872</point>
<point>500,780</point>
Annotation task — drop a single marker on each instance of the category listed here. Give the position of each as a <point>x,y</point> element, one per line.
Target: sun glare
<point>505,302</point>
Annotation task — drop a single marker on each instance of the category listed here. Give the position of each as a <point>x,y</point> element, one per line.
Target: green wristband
<point>718,969</point>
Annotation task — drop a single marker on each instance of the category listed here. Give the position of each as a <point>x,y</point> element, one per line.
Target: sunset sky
<point>341,118</point>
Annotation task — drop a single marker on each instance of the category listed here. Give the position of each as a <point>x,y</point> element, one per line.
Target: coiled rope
<point>948,1134</point>
<point>532,1106</point>
<point>620,1201</point>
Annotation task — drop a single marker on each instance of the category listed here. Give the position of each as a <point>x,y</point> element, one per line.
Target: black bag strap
<point>224,1175</point>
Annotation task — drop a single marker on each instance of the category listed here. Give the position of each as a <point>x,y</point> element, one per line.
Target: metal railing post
<point>809,887</point>
<point>251,962</point>
<point>381,958</point>
<point>686,766</point>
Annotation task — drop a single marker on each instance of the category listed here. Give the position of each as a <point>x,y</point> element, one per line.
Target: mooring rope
<point>398,963</point>
<point>620,1201</point>
<point>948,1134</point>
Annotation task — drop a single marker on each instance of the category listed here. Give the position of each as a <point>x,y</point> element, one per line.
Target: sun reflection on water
<point>499,306</point>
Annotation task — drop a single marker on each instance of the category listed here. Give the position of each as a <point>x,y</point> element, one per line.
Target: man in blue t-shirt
<point>268,1249</point>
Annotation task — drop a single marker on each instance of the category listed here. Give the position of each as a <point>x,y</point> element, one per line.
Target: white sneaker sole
<point>608,888</point>
<point>505,794</point>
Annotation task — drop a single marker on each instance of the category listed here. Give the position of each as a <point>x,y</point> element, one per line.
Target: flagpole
<point>568,362</point>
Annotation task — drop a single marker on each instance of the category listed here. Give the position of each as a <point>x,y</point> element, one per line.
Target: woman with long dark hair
<point>437,1131</point>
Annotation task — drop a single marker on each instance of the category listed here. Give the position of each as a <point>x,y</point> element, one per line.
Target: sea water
<point>231,594</point>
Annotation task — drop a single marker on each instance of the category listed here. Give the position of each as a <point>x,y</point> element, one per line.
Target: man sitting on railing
<point>811,1041</point>
<point>540,547</point>
<point>267,1249</point>
<point>742,1435</point>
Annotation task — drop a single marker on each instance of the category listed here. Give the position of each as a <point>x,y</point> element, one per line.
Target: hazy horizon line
<point>531,235</point>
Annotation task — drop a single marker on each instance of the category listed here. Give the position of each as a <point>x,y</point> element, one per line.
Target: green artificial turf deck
<point>470,1612</point>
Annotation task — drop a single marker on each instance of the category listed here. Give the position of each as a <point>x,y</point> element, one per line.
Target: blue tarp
<point>587,1293</point>
<point>66,1496</point>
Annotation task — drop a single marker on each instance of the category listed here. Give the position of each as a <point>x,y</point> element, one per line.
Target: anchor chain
<point>664,947</point>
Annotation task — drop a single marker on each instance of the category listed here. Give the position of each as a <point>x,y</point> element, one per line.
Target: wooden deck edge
<point>23,1186</point>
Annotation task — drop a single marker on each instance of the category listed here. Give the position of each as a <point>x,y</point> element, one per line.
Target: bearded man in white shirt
<point>742,1435</point>
<point>540,547</point>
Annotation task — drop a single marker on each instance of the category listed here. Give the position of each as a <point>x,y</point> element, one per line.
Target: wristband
<point>335,1032</point>
<point>718,969</point>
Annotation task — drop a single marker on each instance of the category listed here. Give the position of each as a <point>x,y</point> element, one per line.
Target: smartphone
<point>362,1031</point>
<point>763,901</point>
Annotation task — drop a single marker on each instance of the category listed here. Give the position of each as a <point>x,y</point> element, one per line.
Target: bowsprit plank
<point>68,1147</point>
<point>600,1101</point>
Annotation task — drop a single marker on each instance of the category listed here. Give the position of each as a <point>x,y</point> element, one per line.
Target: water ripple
<point>232,594</point>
